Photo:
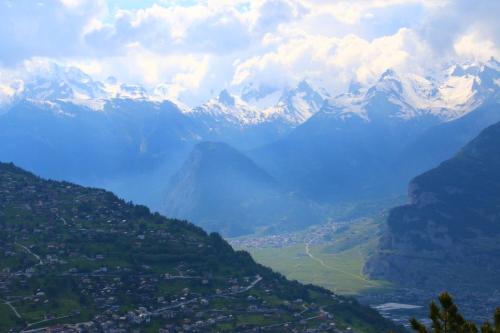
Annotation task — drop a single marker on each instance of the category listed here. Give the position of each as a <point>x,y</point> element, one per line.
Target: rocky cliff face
<point>448,236</point>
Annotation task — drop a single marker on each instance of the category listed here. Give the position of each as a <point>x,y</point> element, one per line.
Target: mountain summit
<point>299,104</point>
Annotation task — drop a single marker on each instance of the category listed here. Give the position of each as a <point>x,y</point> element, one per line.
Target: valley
<point>334,255</point>
<point>330,255</point>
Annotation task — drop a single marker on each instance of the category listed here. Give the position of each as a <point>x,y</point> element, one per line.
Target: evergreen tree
<point>446,319</point>
<point>488,328</point>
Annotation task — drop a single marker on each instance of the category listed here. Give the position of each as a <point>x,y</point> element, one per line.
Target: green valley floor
<point>330,255</point>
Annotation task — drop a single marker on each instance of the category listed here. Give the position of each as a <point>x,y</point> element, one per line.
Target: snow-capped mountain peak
<point>52,82</point>
<point>297,105</point>
<point>261,96</point>
<point>354,87</point>
<point>294,107</point>
<point>57,82</point>
<point>232,109</point>
<point>389,82</point>
<point>461,89</point>
<point>448,94</point>
<point>466,87</point>
<point>132,91</point>
<point>226,98</point>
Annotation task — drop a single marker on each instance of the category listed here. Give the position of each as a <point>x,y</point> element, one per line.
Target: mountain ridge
<point>448,94</point>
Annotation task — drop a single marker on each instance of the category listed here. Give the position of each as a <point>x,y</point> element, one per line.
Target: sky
<point>194,49</point>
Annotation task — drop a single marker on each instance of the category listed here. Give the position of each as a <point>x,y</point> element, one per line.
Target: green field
<point>336,264</point>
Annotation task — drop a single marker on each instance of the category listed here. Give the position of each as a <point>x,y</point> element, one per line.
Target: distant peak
<point>458,71</point>
<point>55,72</point>
<point>75,72</point>
<point>304,86</point>
<point>132,90</point>
<point>257,92</point>
<point>474,69</point>
<point>226,98</point>
<point>389,82</point>
<point>111,80</point>
<point>493,63</point>
<point>388,74</point>
<point>354,87</point>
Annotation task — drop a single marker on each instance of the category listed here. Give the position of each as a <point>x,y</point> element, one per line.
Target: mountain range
<point>321,150</point>
<point>357,146</point>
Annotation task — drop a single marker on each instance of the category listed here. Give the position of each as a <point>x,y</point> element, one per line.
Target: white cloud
<point>45,28</point>
<point>473,47</point>
<point>354,11</point>
<point>196,49</point>
<point>334,62</point>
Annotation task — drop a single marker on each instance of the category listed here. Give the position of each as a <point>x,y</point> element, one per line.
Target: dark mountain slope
<point>70,254</point>
<point>221,189</point>
<point>449,234</point>
<point>127,144</point>
<point>442,142</point>
<point>62,140</point>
